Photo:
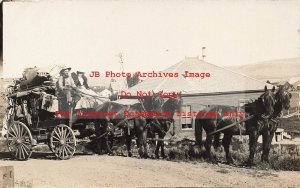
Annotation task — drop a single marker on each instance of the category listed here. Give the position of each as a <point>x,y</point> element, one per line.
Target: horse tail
<point>198,132</point>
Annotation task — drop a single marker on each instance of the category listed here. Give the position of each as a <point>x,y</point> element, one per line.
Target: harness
<point>159,126</point>
<point>154,119</point>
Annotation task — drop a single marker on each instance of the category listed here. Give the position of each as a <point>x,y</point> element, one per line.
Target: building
<point>219,86</point>
<point>105,93</point>
<point>295,82</point>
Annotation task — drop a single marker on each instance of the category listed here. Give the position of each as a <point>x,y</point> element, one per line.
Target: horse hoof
<point>212,161</point>
<point>146,156</point>
<point>129,154</point>
<point>164,156</point>
<point>229,160</point>
<point>264,160</point>
<point>156,156</point>
<point>249,163</point>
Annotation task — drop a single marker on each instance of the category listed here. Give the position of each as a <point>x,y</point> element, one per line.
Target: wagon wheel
<point>19,140</point>
<point>62,142</point>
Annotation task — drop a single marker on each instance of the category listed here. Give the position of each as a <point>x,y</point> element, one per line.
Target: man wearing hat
<point>65,85</point>
<point>65,81</point>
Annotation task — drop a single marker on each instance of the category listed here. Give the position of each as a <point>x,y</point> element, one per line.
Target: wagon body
<point>32,118</point>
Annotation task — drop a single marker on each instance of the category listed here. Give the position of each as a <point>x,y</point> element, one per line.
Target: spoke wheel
<point>19,141</point>
<point>62,142</point>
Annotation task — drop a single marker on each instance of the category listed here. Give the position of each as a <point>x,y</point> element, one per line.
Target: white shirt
<point>81,80</point>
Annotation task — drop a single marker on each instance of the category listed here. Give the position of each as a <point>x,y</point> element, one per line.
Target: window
<point>186,120</point>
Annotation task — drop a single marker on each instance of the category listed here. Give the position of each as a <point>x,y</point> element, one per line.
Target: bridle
<point>283,95</point>
<point>167,121</point>
<point>272,101</point>
<point>155,100</point>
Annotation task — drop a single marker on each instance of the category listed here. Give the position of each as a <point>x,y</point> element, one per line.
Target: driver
<point>65,85</point>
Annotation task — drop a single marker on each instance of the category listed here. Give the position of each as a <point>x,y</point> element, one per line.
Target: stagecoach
<point>32,116</point>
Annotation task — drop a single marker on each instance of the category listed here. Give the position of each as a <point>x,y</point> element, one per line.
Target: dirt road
<point>115,171</point>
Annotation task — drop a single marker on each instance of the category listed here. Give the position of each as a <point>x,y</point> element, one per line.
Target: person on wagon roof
<point>65,81</point>
<point>80,79</point>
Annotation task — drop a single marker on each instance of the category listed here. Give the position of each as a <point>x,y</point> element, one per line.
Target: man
<point>65,81</point>
<point>65,85</point>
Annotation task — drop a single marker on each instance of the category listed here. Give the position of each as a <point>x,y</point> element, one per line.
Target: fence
<point>292,112</point>
<point>295,106</point>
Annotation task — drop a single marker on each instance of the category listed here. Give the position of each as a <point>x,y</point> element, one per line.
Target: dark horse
<point>261,109</point>
<point>282,97</point>
<point>132,125</point>
<point>162,124</point>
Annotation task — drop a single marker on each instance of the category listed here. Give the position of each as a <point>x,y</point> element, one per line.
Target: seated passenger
<point>80,79</point>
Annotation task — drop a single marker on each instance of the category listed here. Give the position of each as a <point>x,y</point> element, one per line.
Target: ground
<point>117,171</point>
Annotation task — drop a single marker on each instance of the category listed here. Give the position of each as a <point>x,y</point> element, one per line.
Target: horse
<point>282,97</point>
<point>131,125</point>
<point>210,123</point>
<point>162,124</point>
<point>261,109</point>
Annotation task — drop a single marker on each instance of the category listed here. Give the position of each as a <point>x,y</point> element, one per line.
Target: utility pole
<point>120,55</point>
<point>203,53</point>
<point>299,40</point>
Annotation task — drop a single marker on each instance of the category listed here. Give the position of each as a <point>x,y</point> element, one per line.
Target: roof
<point>221,80</point>
<point>118,85</point>
<point>105,92</point>
<point>99,81</point>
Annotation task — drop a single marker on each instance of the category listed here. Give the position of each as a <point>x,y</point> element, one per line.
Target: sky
<point>152,35</point>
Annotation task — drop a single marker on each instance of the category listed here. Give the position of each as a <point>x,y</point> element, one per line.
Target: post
<point>7,176</point>
<point>299,103</point>
<point>70,116</point>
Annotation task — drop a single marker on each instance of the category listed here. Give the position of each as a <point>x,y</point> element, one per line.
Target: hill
<point>281,69</point>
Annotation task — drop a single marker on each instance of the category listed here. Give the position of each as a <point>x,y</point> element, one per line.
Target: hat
<point>62,70</point>
<point>80,72</point>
